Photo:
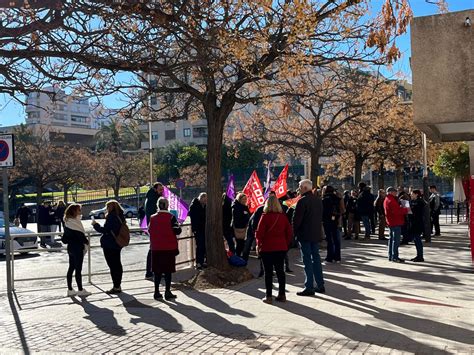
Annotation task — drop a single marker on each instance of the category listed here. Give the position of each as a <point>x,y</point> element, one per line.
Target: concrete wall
<point>443,76</point>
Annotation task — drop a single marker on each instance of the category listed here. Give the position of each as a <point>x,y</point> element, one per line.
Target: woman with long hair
<point>113,221</point>
<point>75,238</point>
<point>273,237</point>
<point>240,221</point>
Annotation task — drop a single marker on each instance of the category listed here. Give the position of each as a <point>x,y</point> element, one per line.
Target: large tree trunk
<point>314,167</point>
<point>358,165</point>
<point>381,176</point>
<point>215,250</point>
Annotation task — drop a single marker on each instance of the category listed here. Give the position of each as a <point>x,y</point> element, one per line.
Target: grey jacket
<point>307,219</point>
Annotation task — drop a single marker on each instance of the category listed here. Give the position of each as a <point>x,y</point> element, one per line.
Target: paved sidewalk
<point>371,306</point>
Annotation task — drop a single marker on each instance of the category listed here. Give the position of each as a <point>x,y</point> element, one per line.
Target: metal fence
<point>183,259</point>
<point>454,214</point>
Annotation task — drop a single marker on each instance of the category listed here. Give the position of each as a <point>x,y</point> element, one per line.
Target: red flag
<point>254,191</point>
<point>280,186</point>
<point>291,203</point>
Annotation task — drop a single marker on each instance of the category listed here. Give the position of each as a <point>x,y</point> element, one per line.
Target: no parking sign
<point>7,151</point>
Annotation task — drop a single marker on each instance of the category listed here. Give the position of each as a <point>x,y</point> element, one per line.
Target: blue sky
<point>13,113</point>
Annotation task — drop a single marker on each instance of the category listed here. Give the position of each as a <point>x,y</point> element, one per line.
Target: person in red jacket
<point>273,235</point>
<point>395,218</point>
<point>163,229</point>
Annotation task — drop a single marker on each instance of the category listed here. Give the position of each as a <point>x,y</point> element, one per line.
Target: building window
<point>200,132</point>
<point>80,119</point>
<point>170,135</point>
<point>154,135</point>
<point>187,132</point>
<point>153,100</point>
<point>59,117</point>
<point>33,114</point>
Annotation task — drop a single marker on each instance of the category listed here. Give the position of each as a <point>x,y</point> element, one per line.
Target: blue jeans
<point>367,226</point>
<point>334,242</point>
<point>418,244</point>
<point>312,264</point>
<point>394,242</point>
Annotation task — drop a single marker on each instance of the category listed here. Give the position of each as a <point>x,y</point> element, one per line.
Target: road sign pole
<point>6,214</point>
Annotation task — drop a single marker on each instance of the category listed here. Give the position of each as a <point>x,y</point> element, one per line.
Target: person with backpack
<point>435,210</point>
<point>75,237</point>
<point>163,229</point>
<point>273,236</point>
<point>114,220</point>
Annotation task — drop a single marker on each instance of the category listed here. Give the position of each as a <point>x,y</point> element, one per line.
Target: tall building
<point>67,117</point>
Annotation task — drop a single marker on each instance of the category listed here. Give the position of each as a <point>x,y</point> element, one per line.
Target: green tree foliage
<point>453,162</point>
<point>191,155</point>
<point>119,136</point>
<point>243,155</point>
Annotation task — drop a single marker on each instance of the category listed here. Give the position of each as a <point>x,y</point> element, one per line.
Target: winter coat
<point>45,217</point>
<point>74,239</point>
<point>379,206</point>
<point>331,208</point>
<point>150,203</point>
<point>197,213</point>
<point>113,222</point>
<point>416,218</point>
<point>240,215</point>
<point>163,230</point>
<point>394,213</point>
<point>307,218</point>
<point>273,232</point>
<point>365,203</point>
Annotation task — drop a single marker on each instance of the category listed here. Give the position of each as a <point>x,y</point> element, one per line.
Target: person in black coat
<point>113,222</point>
<point>75,238</point>
<point>227,229</point>
<point>417,205</point>
<point>240,221</point>
<point>44,221</point>
<point>23,213</point>
<point>197,213</point>
<point>59,214</point>
<point>365,207</point>
<point>331,215</point>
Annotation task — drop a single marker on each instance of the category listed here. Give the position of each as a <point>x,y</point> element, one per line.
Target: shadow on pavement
<point>19,327</point>
<point>216,303</point>
<point>216,324</point>
<point>102,317</point>
<point>145,313</point>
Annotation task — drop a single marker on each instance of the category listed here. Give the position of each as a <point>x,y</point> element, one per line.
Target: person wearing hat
<point>395,218</point>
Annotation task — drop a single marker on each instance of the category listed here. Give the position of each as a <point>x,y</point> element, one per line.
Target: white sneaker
<point>83,293</point>
<point>71,293</point>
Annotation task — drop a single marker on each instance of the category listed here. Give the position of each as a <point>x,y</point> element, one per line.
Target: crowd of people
<point>319,214</point>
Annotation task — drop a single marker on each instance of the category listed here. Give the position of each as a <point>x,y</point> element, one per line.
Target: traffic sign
<point>7,151</point>
<point>180,184</point>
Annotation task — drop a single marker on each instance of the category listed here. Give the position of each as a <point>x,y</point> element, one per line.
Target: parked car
<point>19,244</point>
<point>129,211</point>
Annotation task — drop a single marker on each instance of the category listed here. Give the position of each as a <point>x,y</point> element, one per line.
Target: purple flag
<point>230,191</point>
<point>268,182</point>
<point>176,204</point>
<point>144,225</point>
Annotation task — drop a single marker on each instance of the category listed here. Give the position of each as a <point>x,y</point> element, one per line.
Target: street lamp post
<point>150,151</point>
<point>426,194</point>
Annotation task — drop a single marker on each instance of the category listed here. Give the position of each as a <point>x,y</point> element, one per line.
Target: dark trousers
<point>24,223</point>
<point>112,257</point>
<point>372,222</point>
<point>435,223</point>
<point>248,243</point>
<point>334,243</point>
<point>344,224</point>
<point>149,273</point>
<point>200,247</point>
<point>418,244</point>
<point>158,281</point>
<point>382,225</point>
<point>43,228</point>
<point>229,237</point>
<point>240,246</point>
<point>274,259</point>
<point>76,257</point>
